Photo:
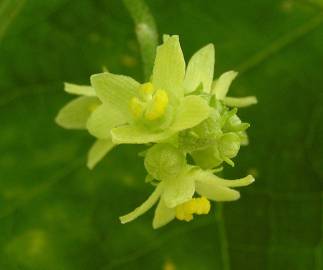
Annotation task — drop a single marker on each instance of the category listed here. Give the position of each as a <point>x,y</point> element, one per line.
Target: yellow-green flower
<point>134,113</point>
<point>175,196</point>
<point>177,184</point>
<point>179,112</point>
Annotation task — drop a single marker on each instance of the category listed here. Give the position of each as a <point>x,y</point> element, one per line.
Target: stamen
<point>199,206</point>
<point>158,106</point>
<point>146,89</point>
<point>136,107</point>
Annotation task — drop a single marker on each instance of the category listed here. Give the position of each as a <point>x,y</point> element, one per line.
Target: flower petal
<point>103,119</point>
<point>244,138</point>
<point>115,90</point>
<point>221,86</point>
<point>213,191</point>
<point>163,215</point>
<point>169,68</point>
<point>152,199</point>
<point>136,135</point>
<point>178,190</point>
<point>200,70</point>
<point>75,114</point>
<point>240,102</point>
<point>97,152</point>
<point>82,90</point>
<point>192,111</point>
<point>209,178</point>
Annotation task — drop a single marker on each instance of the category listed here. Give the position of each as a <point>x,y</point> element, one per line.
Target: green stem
<point>224,246</point>
<point>146,32</point>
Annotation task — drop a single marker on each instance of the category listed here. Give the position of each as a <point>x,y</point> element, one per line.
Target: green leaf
<point>82,90</point>
<point>103,119</point>
<point>97,152</point>
<point>56,214</point>
<point>115,91</point>
<point>200,70</point>
<point>192,111</point>
<point>137,135</point>
<point>74,115</point>
<point>169,68</point>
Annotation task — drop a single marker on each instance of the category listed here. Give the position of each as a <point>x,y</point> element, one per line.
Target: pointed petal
<point>241,182</point>
<point>208,177</point>
<point>200,70</point>
<point>240,102</point>
<point>97,152</point>
<point>192,111</point>
<point>178,190</point>
<point>153,198</point>
<point>82,90</point>
<point>213,191</point>
<point>115,90</point>
<point>169,68</point>
<point>221,85</point>
<point>244,138</point>
<point>136,135</point>
<point>163,215</point>
<point>75,114</point>
<point>103,119</point>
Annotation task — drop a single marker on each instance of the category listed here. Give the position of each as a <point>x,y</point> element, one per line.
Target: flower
<point>117,109</point>
<point>180,112</point>
<point>75,115</point>
<point>176,200</point>
<point>135,113</point>
<point>178,182</point>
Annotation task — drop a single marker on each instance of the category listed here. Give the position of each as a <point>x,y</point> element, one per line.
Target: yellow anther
<point>182,214</point>
<point>197,206</point>
<point>158,105</point>
<point>146,88</point>
<point>136,107</point>
<point>203,206</point>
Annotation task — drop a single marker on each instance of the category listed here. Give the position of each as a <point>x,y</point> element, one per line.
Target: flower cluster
<point>182,115</point>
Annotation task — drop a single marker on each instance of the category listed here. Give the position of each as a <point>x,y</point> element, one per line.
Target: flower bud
<point>229,145</point>
<point>164,160</point>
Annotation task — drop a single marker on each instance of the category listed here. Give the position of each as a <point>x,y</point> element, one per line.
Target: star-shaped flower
<point>178,182</point>
<point>135,113</point>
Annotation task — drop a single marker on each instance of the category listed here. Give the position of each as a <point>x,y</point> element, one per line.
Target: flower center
<point>197,206</point>
<point>151,103</point>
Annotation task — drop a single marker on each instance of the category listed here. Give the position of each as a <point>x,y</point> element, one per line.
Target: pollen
<point>198,206</point>
<point>136,107</point>
<point>158,105</point>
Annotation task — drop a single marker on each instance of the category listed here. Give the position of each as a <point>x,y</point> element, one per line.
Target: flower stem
<point>146,31</point>
<point>224,247</point>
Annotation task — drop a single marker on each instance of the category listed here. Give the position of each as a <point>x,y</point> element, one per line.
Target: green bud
<point>164,160</point>
<point>201,136</point>
<point>229,145</point>
<point>208,158</point>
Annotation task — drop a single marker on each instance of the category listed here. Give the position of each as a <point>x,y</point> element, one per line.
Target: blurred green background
<point>56,214</point>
